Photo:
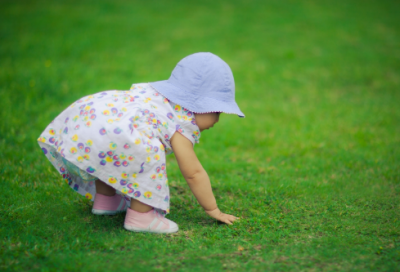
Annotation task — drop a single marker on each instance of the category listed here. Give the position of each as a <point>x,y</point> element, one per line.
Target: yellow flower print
<point>76,117</point>
<point>85,118</point>
<point>162,148</point>
<point>134,175</point>
<point>86,157</point>
<point>148,195</point>
<point>110,105</point>
<point>160,176</point>
<point>124,190</point>
<point>75,138</point>
<point>148,149</point>
<point>79,159</point>
<point>147,100</point>
<point>124,175</point>
<point>148,159</point>
<point>153,177</point>
<point>109,159</point>
<point>137,141</point>
<point>117,119</point>
<point>177,108</point>
<point>52,132</point>
<point>179,117</point>
<point>106,112</point>
<point>113,146</point>
<point>124,109</point>
<point>166,182</point>
<point>131,158</point>
<point>89,142</point>
<point>154,121</point>
<point>73,150</point>
<point>42,139</point>
<point>87,108</point>
<point>88,196</point>
<point>110,121</point>
<point>184,117</point>
<point>122,156</point>
<point>88,123</point>
<point>135,185</point>
<point>112,180</point>
<point>156,157</point>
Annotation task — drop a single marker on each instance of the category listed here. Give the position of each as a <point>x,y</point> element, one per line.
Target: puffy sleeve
<point>187,125</point>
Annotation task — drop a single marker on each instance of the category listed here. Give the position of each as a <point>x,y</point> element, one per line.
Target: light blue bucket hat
<point>201,83</point>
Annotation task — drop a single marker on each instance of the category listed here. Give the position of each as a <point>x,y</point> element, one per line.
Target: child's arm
<point>197,177</point>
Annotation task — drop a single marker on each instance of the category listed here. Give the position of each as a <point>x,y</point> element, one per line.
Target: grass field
<point>313,170</point>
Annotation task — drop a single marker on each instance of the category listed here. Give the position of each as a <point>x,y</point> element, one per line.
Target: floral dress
<point>121,138</point>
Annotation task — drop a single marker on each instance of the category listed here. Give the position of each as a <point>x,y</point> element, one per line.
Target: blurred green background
<point>313,170</point>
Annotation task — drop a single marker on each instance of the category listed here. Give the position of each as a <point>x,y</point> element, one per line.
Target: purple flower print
<point>90,170</point>
<point>131,190</point>
<point>81,146</point>
<point>65,130</point>
<point>141,168</point>
<point>137,194</point>
<point>170,116</point>
<point>117,130</point>
<point>102,155</point>
<point>44,150</point>
<point>114,110</point>
<point>102,131</point>
<point>66,120</point>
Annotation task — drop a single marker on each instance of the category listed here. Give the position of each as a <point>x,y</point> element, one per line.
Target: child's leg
<point>104,189</point>
<point>139,206</point>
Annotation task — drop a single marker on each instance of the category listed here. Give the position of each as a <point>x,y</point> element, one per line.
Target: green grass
<point>313,170</point>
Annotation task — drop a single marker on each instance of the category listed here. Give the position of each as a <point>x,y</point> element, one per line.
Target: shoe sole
<point>134,229</point>
<point>104,212</point>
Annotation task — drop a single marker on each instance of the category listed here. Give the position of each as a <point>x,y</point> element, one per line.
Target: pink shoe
<point>151,221</point>
<point>109,205</point>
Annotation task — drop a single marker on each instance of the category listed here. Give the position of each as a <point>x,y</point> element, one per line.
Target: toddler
<point>111,146</point>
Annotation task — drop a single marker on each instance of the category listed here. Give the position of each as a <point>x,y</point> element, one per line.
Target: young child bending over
<point>111,146</point>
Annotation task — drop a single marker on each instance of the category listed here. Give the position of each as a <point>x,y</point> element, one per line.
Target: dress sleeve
<point>187,126</point>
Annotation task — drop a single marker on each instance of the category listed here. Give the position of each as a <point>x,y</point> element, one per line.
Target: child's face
<point>206,120</point>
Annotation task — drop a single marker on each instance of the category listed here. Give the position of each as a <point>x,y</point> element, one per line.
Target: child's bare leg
<point>139,206</point>
<point>104,189</point>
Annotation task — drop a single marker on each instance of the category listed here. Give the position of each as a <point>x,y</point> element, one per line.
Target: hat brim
<point>201,105</point>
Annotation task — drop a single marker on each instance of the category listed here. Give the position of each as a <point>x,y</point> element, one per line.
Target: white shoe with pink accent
<point>109,205</point>
<point>151,221</point>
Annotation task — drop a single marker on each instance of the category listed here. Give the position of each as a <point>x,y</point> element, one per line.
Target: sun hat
<point>202,83</point>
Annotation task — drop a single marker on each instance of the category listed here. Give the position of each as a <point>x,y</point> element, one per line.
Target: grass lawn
<point>313,170</point>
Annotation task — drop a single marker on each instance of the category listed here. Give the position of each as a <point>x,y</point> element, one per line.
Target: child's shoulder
<point>140,86</point>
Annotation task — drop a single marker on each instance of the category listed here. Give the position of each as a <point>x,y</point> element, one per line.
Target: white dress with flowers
<point>121,138</point>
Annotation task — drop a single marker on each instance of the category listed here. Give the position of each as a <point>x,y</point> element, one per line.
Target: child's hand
<point>223,217</point>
